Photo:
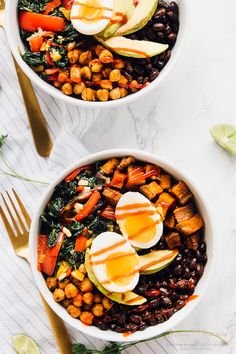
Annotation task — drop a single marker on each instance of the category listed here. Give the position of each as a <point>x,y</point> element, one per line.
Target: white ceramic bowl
<point>201,286</point>
<point>15,43</point>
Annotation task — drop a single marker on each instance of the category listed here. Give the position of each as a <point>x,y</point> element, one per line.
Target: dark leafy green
<point>34,58</point>
<point>80,349</point>
<point>52,238</point>
<point>2,139</point>
<point>97,225</point>
<point>94,182</point>
<point>75,228</point>
<point>68,35</point>
<point>64,61</point>
<point>68,253</point>
<point>32,5</point>
<point>56,207</point>
<point>66,190</point>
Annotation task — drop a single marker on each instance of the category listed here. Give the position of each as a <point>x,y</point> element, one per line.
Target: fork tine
<point>11,216</point>
<point>7,226</point>
<point>17,214</point>
<point>22,208</point>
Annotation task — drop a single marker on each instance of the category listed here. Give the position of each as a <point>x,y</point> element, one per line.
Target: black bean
<point>203,259</point>
<point>136,319</point>
<point>202,247</point>
<point>199,269</point>
<point>178,270</point>
<point>160,13</point>
<point>182,284</point>
<point>129,68</point>
<point>154,74</point>
<point>153,293</point>
<point>128,76</point>
<point>174,7</point>
<point>153,303</point>
<point>118,329</point>
<point>142,326</point>
<point>167,29</point>
<point>152,321</point>
<point>174,296</point>
<point>172,16</point>
<point>151,35</point>
<point>146,315</point>
<point>160,35</point>
<point>158,27</point>
<point>193,263</point>
<point>172,37</point>
<point>141,308</point>
<point>140,79</point>
<point>131,327</point>
<point>100,324</point>
<point>180,304</point>
<point>166,301</point>
<point>149,67</point>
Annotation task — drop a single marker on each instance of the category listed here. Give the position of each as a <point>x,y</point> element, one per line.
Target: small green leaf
<point>2,139</point>
<point>113,348</point>
<point>80,349</point>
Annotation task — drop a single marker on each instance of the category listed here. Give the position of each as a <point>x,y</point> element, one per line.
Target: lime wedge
<point>225,136</point>
<point>23,344</point>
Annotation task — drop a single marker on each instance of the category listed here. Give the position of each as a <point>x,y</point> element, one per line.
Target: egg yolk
<point>91,10</point>
<point>140,228</point>
<point>121,267</point>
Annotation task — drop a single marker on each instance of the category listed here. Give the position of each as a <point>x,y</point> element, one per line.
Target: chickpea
<point>123,92</point>
<point>86,285</point>
<point>107,303</point>
<point>115,94</point>
<point>59,295</point>
<point>123,81</point>
<point>51,283</point>
<point>98,310</point>
<point>106,56</point>
<point>71,290</point>
<point>63,76</point>
<point>106,73</point>
<point>67,89</point>
<point>78,300</point>
<point>74,311</point>
<point>63,284</point>
<point>88,94</point>
<point>95,65</point>
<point>75,74</point>
<point>57,84</point>
<point>98,49</point>
<point>118,64</point>
<point>86,317</point>
<point>88,298</point>
<point>103,95</point>
<point>70,46</point>
<point>97,298</point>
<point>66,302</point>
<point>85,57</point>
<point>106,84</point>
<point>134,86</point>
<point>78,88</point>
<point>115,75</point>
<point>86,72</point>
<point>74,55</point>
<point>97,77</point>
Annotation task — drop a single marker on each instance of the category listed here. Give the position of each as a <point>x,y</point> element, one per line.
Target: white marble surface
<point>174,122</point>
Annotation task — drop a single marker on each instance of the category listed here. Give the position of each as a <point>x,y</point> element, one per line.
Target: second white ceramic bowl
<point>201,286</point>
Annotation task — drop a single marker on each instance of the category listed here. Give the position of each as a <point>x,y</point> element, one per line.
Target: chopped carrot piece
<point>118,180</point>
<point>88,206</point>
<point>36,43</point>
<point>51,256</point>
<point>41,250</point>
<point>80,243</point>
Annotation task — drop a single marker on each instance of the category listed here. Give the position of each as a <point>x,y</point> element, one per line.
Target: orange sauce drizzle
<point>192,297</point>
<point>141,212</point>
<point>90,19</point>
<point>123,296</point>
<point>131,237</point>
<point>134,299</point>
<point>159,260</point>
<point>102,261</point>
<point>98,253</point>
<point>133,206</point>
<point>93,7</point>
<point>119,277</point>
<point>131,51</point>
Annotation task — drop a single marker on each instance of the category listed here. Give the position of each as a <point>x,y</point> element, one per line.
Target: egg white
<point>137,198</point>
<point>91,28</point>
<point>102,242</point>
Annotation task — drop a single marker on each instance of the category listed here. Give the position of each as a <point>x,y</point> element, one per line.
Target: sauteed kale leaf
<point>52,238</point>
<point>34,58</point>
<point>32,6</point>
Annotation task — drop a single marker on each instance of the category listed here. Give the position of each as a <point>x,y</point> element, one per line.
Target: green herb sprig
<point>117,348</point>
<point>9,171</point>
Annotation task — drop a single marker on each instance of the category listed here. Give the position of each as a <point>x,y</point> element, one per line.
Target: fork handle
<point>62,337</point>
<point>42,140</point>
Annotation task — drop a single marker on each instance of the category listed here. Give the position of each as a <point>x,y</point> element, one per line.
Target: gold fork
<point>19,240</point>
<point>39,127</point>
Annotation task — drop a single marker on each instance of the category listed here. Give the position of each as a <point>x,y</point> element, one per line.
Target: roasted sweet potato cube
<point>184,213</point>
<point>125,162</point>
<point>151,190</point>
<point>152,171</point>
<point>169,221</point>
<point>173,240</point>
<point>189,227</point>
<point>135,176</point>
<point>193,241</point>
<point>118,179</point>
<point>112,195</point>
<point>110,166</point>
<point>165,181</point>
<point>181,191</point>
<point>166,201</point>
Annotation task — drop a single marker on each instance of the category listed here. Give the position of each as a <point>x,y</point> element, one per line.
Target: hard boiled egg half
<point>90,17</point>
<point>114,262</point>
<point>138,220</point>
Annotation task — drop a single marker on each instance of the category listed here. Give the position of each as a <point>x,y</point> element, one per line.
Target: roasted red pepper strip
<point>88,206</point>
<point>67,4</point>
<point>118,180</point>
<point>80,243</point>
<point>52,5</point>
<point>36,43</point>
<point>41,250</point>
<point>108,213</point>
<point>75,173</point>
<point>51,255</point>
<point>31,21</point>
<point>51,71</point>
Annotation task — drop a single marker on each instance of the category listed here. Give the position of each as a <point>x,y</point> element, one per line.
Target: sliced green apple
<point>134,48</point>
<point>125,7</point>
<point>142,14</point>
<point>128,298</point>
<point>155,261</point>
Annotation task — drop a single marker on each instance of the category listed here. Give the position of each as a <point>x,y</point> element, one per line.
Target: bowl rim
<point>54,92</point>
<point>201,286</point>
